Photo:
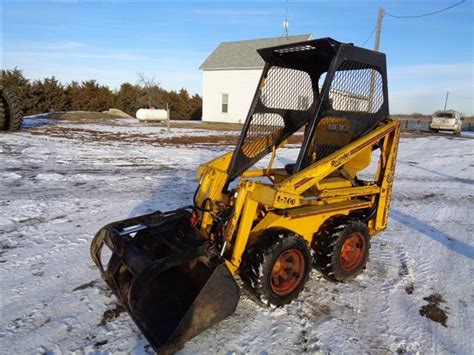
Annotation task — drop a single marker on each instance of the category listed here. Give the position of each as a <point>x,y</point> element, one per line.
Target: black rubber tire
<point>12,115</point>
<point>258,263</point>
<point>3,117</point>
<point>327,247</point>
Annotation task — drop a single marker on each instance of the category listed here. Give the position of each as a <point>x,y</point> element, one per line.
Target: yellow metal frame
<point>302,202</point>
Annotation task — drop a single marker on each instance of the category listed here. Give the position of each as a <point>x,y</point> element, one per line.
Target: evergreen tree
<point>127,98</point>
<point>73,101</point>
<point>47,95</point>
<point>94,97</point>
<point>50,95</point>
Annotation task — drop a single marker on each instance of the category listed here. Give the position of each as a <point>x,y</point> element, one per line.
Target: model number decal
<point>286,199</point>
<point>338,128</point>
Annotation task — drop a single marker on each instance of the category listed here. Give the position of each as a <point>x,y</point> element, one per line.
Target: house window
<point>225,103</point>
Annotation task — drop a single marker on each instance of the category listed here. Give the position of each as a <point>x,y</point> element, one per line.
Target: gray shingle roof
<point>243,54</point>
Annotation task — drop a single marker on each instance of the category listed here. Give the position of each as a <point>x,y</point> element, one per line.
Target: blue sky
<point>113,40</point>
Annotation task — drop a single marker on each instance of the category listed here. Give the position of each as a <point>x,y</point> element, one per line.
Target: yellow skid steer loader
<point>174,271</point>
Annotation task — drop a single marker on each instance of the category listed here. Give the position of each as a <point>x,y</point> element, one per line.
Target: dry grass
<point>82,116</point>
<point>212,126</point>
<point>213,138</point>
<point>89,135</point>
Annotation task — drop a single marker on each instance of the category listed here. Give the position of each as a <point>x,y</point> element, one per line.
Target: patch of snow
<point>52,177</point>
<point>57,193</point>
<point>9,176</point>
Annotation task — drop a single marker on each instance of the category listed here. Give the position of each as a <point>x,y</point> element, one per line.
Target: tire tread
<point>326,243</point>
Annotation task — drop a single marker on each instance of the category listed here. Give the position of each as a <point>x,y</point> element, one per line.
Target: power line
<point>428,14</point>
<point>370,36</point>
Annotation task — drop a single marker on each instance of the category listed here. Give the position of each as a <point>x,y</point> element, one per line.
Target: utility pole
<point>446,101</point>
<point>378,34</point>
<point>376,48</point>
<point>285,22</point>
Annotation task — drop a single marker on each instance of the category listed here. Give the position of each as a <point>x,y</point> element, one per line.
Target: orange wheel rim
<point>287,272</point>
<point>352,252</point>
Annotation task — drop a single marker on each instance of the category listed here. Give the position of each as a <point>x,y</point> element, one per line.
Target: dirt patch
<point>82,115</point>
<point>306,343</point>
<point>5,247</point>
<point>302,341</point>
<point>46,321</point>
<point>98,344</point>
<point>90,135</point>
<point>409,289</point>
<point>213,126</point>
<point>432,309</point>
<point>110,314</point>
<point>86,285</point>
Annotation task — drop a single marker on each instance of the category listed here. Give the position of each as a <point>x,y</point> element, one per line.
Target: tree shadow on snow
<point>414,223</point>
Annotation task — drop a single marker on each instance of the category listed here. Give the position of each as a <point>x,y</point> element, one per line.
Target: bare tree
<point>149,84</point>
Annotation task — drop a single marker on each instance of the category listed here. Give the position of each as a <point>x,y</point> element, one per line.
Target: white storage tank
<point>145,114</point>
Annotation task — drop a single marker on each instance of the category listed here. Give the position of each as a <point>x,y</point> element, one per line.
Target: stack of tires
<point>11,114</point>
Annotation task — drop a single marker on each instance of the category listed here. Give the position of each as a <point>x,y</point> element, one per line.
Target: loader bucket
<point>166,276</point>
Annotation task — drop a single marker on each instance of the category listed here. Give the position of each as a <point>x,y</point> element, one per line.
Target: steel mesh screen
<point>282,89</point>
<point>287,99</point>
<point>263,131</point>
<point>287,89</point>
<point>356,88</point>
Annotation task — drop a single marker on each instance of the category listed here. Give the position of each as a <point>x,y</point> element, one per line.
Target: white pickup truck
<point>447,120</point>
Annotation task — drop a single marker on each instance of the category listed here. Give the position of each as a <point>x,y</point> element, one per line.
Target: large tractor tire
<point>3,119</point>
<point>341,248</point>
<point>276,268</point>
<point>11,114</point>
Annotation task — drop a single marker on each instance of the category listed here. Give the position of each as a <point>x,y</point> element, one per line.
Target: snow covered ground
<point>61,182</point>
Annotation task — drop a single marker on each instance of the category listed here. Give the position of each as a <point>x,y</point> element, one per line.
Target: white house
<point>230,77</point>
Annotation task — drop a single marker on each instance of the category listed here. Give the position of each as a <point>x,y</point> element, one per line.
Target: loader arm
<point>313,174</point>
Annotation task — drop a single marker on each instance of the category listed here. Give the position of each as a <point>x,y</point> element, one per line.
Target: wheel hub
<point>287,272</point>
<point>352,252</point>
